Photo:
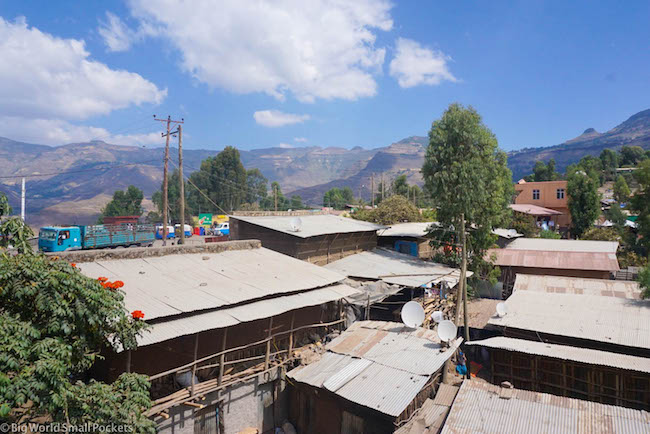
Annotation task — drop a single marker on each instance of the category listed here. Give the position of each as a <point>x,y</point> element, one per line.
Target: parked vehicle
<point>177,230</point>
<point>222,229</point>
<point>170,232</point>
<point>62,238</point>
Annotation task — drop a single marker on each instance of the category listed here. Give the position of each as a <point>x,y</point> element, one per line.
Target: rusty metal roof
<point>533,210</point>
<point>377,364</point>
<point>579,311</point>
<point>577,285</point>
<point>567,352</point>
<point>552,245</point>
<point>594,261</point>
<point>484,408</point>
<point>430,418</point>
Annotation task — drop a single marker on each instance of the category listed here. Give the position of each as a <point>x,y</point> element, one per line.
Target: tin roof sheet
<point>551,245</point>
<point>430,418</point>
<point>566,352</point>
<point>604,318</point>
<point>533,209</point>
<point>394,268</point>
<point>507,233</point>
<point>595,261</point>
<point>182,283</point>
<point>380,365</point>
<point>485,408</point>
<point>576,285</point>
<point>312,225</point>
<point>225,317</point>
<point>414,230</point>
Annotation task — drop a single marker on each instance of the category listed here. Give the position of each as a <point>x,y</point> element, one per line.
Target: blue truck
<point>62,238</point>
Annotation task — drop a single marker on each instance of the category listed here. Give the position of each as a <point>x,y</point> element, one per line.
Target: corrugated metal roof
<point>551,245</point>
<point>507,233</point>
<point>576,285</point>
<point>431,416</point>
<point>533,209</point>
<point>565,352</point>
<point>414,230</point>
<point>380,365</point>
<point>312,225</point>
<point>604,318</point>
<point>182,283</point>
<point>553,259</point>
<point>394,268</point>
<point>483,408</point>
<point>226,317</point>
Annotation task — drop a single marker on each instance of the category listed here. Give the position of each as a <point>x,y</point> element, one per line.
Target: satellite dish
<point>502,310</point>
<point>438,316</point>
<point>447,330</point>
<point>412,314</point>
<point>296,224</point>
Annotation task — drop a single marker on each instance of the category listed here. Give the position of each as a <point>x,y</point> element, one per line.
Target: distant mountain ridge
<point>78,195</point>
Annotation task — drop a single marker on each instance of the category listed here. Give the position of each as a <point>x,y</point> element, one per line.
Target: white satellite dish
<point>447,330</point>
<point>296,224</point>
<point>412,314</point>
<point>438,316</point>
<point>502,310</point>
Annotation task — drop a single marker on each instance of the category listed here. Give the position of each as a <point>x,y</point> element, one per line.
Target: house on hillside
<point>371,379</point>
<point>224,320</point>
<point>575,337</point>
<point>548,194</point>
<point>319,239</point>
<point>541,256</point>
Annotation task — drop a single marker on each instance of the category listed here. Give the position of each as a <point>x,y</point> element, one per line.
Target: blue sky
<point>328,74</point>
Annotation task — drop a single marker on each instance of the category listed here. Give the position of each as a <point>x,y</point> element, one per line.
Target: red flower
<point>73,265</point>
<point>118,284</point>
<point>102,279</point>
<point>137,314</point>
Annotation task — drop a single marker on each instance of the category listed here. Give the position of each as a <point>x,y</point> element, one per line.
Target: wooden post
<point>293,317</point>
<point>222,356</point>
<point>268,345</point>
<point>463,276</point>
<point>164,193</point>
<point>372,188</point>
<point>181,182</point>
<point>196,354</point>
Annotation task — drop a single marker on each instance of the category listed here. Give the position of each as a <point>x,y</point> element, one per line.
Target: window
<point>560,193</point>
<point>535,194</point>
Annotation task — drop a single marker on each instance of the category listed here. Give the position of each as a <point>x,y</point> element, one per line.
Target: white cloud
<point>300,139</point>
<point>275,118</point>
<point>59,132</point>
<point>325,49</point>
<point>117,36</point>
<point>43,76</point>
<point>414,64</point>
<point>284,146</point>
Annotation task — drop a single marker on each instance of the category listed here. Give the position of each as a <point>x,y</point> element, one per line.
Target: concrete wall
<point>258,403</point>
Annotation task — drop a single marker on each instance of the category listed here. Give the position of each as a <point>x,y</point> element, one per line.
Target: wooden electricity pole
<point>181,182</point>
<point>165,170</point>
<point>372,188</point>
<point>463,275</point>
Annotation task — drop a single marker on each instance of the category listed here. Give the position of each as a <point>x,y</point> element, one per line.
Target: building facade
<point>547,194</point>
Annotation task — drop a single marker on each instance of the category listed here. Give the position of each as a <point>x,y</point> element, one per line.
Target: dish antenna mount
<point>296,224</point>
<point>412,314</point>
<point>447,330</point>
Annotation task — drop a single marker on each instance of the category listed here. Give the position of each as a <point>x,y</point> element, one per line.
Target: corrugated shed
<point>568,260</point>
<point>311,225</point>
<point>182,283</point>
<point>380,365</point>
<point>430,418</point>
<point>485,408</point>
<point>576,285</point>
<point>551,245</point>
<point>601,318</point>
<point>413,230</point>
<point>394,268</point>
<point>533,210</point>
<point>226,317</point>
<point>565,352</point>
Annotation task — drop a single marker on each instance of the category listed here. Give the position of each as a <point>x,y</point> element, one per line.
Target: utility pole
<point>463,276</point>
<point>275,196</point>
<point>22,200</point>
<point>165,170</point>
<point>181,182</point>
<point>372,183</point>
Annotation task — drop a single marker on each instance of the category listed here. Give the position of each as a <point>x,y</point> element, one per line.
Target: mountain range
<point>94,170</point>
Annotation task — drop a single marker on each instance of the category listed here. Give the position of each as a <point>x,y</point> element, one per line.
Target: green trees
<point>223,179</point>
<point>466,174</point>
<point>584,203</point>
<point>127,202</point>
<point>543,172</point>
<point>395,209</point>
<point>631,155</point>
<point>640,203</point>
<point>609,163</point>
<point>53,323</point>
<point>256,186</point>
<point>337,198</point>
<point>174,201</point>
<point>621,190</point>
<point>644,281</point>
<point>13,231</point>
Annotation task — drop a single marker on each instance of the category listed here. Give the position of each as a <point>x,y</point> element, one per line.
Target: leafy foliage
<point>395,209</point>
<point>466,173</point>
<point>609,162</point>
<point>53,323</point>
<point>545,233</point>
<point>621,190</point>
<point>601,234</point>
<point>13,230</point>
<point>543,172</point>
<point>337,198</point>
<point>256,186</point>
<point>584,203</point>
<point>174,200</point>
<point>524,224</point>
<point>640,203</point>
<point>631,155</point>
<point>644,281</point>
<point>127,202</point>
